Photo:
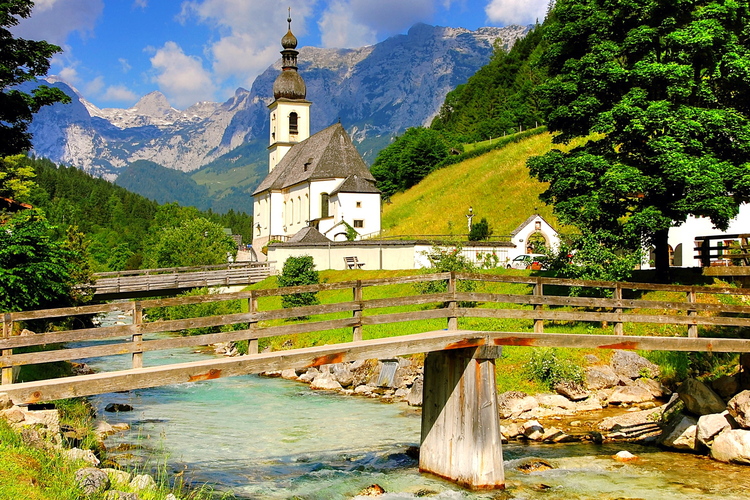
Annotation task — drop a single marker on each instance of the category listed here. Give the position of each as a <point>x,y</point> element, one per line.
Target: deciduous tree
<point>662,92</point>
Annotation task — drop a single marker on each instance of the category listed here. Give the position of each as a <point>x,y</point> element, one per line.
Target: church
<point>317,187</point>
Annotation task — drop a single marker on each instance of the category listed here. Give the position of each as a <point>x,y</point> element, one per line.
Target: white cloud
<point>140,4</point>
<point>119,93</point>
<point>339,29</point>
<point>505,12</point>
<point>95,86</point>
<point>54,20</point>
<point>68,75</point>
<point>181,77</point>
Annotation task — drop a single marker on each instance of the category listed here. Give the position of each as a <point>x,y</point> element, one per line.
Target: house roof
<point>527,222</point>
<point>329,154</point>
<point>356,184</point>
<point>308,235</point>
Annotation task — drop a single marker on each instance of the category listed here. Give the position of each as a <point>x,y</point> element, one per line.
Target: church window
<point>324,205</point>
<point>291,211</point>
<point>359,223</point>
<point>293,123</point>
<point>359,204</point>
<point>299,209</point>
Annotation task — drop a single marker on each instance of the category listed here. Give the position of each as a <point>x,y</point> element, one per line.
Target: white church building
<point>317,181</point>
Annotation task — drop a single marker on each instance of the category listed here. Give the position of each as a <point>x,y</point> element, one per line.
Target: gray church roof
<point>325,155</point>
<point>309,235</point>
<point>356,184</point>
<point>526,223</point>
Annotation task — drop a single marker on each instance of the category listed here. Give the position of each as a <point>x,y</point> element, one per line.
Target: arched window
<point>293,123</point>
<point>324,205</point>
<point>291,211</point>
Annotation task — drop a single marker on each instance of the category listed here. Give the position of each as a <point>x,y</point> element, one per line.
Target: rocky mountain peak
<point>155,105</point>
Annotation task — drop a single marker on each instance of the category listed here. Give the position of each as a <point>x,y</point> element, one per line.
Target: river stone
<point>630,365</point>
<point>511,405</point>
<point>118,407</point>
<point>699,399</point>
<point>654,387</point>
<point>325,381</point>
<point>309,375</point>
<point>119,477</point>
<point>732,445</point>
<point>533,430</point>
<point>601,377</point>
<point>5,401</point>
<point>629,394</point>
<point>79,454</point>
<point>92,480</point>
<point>637,426</point>
<point>555,400</point>
<point>289,374</point>
<point>571,390</point>
<point>343,374</point>
<point>739,409</point>
<point>682,436</point>
<point>510,431</point>
<point>624,456</point>
<point>143,482</point>
<point>414,398</point>
<point>709,426</point>
<point>726,386</point>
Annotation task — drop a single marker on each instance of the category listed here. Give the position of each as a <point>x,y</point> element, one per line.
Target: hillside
<point>496,185</point>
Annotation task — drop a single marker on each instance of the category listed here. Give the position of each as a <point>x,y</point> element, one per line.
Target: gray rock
<point>5,401</point>
<point>629,394</point>
<point>635,426</point>
<point>709,426</point>
<point>290,374</point>
<point>739,409</point>
<point>364,390</point>
<point>414,398</point>
<point>92,480</point>
<point>118,477</point>
<point>571,390</point>
<point>325,381</point>
<point>79,454</point>
<point>512,404</point>
<point>532,430</point>
<point>732,445</point>
<point>699,399</point>
<point>601,377</point>
<point>309,375</point>
<point>654,387</point>
<point>143,482</point>
<point>343,374</point>
<point>726,386</point>
<point>683,435</point>
<point>555,400</point>
<point>591,359</point>
<point>630,365</point>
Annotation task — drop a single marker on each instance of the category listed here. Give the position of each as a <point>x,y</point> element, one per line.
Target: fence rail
<point>546,304</point>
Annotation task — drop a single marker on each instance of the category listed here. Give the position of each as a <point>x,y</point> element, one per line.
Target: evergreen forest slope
<point>496,185</point>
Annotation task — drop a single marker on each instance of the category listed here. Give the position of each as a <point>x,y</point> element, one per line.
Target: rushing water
<point>270,439</point>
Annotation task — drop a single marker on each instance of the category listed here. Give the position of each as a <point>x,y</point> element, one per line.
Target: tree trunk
<point>661,255</point>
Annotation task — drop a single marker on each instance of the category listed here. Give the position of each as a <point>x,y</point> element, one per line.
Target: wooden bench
<point>353,263</point>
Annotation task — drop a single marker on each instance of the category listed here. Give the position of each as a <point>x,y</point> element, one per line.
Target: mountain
<point>375,91</point>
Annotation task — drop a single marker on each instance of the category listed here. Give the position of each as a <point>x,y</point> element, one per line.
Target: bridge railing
<point>542,303</point>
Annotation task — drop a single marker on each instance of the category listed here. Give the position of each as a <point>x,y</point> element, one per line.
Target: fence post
<point>7,375</point>
<point>252,307</point>
<point>538,292</point>
<point>452,304</point>
<point>137,335</point>
<point>357,312</point>
<point>692,329</point>
<point>618,330</point>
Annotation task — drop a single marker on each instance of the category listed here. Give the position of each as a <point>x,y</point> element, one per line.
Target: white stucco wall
<point>520,239</point>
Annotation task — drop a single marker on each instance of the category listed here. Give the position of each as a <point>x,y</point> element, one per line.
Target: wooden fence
<point>177,278</point>
<point>545,303</point>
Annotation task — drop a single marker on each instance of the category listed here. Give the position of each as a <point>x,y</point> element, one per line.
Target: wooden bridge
<point>462,330</point>
<point>172,280</point>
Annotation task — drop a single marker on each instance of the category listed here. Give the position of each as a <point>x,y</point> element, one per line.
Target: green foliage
<point>36,272</point>
<point>480,231</point>
<point>444,260</point>
<point>549,367</point>
<point>408,159</point>
<point>195,242</point>
<point>15,178</point>
<point>298,271</point>
<point>667,94</point>
<point>22,61</point>
<point>198,311</point>
<point>165,185</point>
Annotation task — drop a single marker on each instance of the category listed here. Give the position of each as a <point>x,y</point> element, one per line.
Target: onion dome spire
<point>289,83</point>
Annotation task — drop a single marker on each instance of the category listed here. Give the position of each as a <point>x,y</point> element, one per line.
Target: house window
<point>324,205</point>
<point>359,223</point>
<point>293,123</point>
<point>359,204</point>
<point>299,209</point>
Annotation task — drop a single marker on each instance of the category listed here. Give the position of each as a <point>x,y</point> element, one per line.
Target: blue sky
<point>115,51</point>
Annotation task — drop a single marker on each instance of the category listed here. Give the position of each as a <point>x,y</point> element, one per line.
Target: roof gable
<point>327,154</point>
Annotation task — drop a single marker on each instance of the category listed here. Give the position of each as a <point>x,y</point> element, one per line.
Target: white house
<point>315,181</point>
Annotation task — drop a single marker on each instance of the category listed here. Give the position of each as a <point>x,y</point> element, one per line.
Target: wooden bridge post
<point>692,297</point>
<point>7,372</point>
<point>452,304</point>
<point>617,295</point>
<point>461,438</point>
<point>357,312</point>
<point>252,306</point>
<point>137,335</point>
<point>538,292</point>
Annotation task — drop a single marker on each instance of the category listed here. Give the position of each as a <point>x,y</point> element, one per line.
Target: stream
<point>262,438</point>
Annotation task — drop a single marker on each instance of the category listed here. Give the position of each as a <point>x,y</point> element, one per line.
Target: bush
<point>446,260</point>
<point>480,231</point>
<point>298,271</point>
<point>549,368</point>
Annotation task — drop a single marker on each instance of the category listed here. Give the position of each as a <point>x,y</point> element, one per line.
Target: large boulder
<point>629,394</point>
<point>710,426</point>
<point>628,364</point>
<point>414,398</point>
<point>92,480</point>
<point>601,377</point>
<point>342,373</point>
<point>699,399</point>
<point>512,404</point>
<point>636,426</point>
<point>683,435</point>
<point>726,386</point>
<point>732,445</point>
<point>571,390</point>
<point>325,381</point>
<point>739,409</point>
<point>555,401</point>
<point>532,430</point>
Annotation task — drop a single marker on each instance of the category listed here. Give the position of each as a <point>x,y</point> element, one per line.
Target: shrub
<point>298,271</point>
<point>480,231</point>
<point>446,260</point>
<point>549,368</point>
